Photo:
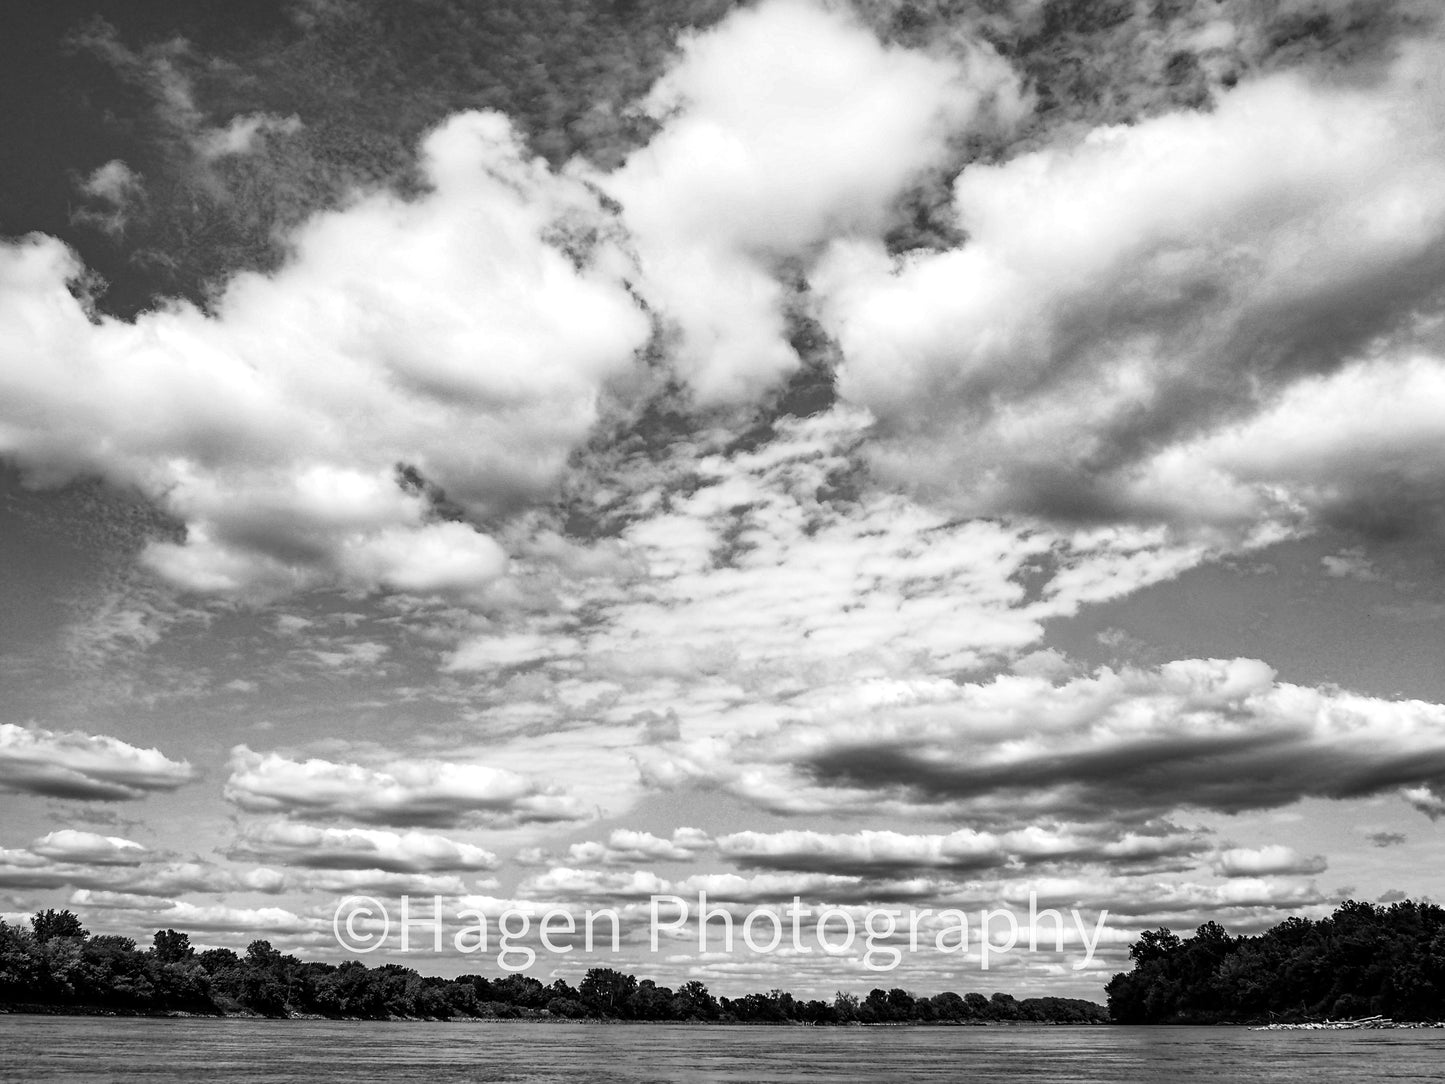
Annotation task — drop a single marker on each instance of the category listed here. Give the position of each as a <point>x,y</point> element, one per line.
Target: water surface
<point>232,1051</point>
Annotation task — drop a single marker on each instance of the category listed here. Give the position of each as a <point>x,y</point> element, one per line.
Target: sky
<point>897,454</point>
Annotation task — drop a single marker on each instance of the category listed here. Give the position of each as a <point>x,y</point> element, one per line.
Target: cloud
<point>210,924</point>
<point>625,846</point>
<point>763,582</point>
<point>1427,799</point>
<point>344,882</point>
<point>261,879</point>
<point>90,862</point>
<point>1123,745</point>
<point>1234,902</point>
<point>71,764</point>
<point>1272,860</point>
<point>513,649</point>
<point>1358,448</point>
<point>415,793</point>
<point>359,849</point>
<point>243,133</point>
<point>965,850</point>
<point>1118,297</point>
<point>69,845</point>
<point>778,887</point>
<point>1386,839</point>
<point>115,191</point>
<point>1046,663</point>
<point>100,898</point>
<point>728,889</point>
<point>565,883</point>
<point>785,125</point>
<point>810,851</point>
<point>1350,564</point>
<point>760,572</point>
<point>1156,345</point>
<point>330,422</point>
<point>218,918</point>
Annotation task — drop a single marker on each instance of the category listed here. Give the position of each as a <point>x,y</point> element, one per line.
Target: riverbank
<point>538,1017</point>
<point>1368,1023</point>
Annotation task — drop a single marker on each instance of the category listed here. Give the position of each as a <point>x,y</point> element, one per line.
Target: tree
<point>51,923</point>
<point>522,991</point>
<point>260,954</point>
<point>1362,960</point>
<point>1003,1007</point>
<point>1154,945</point>
<point>172,947</point>
<point>699,1003</point>
<point>262,991</point>
<point>900,1004</point>
<point>607,990</point>
<point>650,1002</point>
<point>218,959</point>
<point>17,962</point>
<point>949,1006</point>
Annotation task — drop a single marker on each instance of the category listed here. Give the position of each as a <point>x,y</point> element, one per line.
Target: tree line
<point>57,964</point>
<point>1363,960</point>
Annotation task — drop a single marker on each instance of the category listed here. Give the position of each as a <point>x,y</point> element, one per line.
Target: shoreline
<point>544,1018</point>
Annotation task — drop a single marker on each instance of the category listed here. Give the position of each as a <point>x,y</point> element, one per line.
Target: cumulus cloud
<point>1157,344</point>
<point>69,845</point>
<point>1428,799</point>
<point>625,846</point>
<point>786,125</point>
<point>565,883</point>
<point>1213,734</point>
<point>359,849</point>
<point>304,431</point>
<point>420,793</point>
<point>378,882</point>
<point>71,764</point>
<point>1236,901</point>
<point>104,864</point>
<point>1359,448</point>
<point>1117,297</point>
<point>774,887</point>
<point>219,918</point>
<point>964,850</point>
<point>729,889</point>
<point>261,879</point>
<point>1275,859</point>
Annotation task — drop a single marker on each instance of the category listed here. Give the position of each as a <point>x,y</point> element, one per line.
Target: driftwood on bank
<point>1364,1022</point>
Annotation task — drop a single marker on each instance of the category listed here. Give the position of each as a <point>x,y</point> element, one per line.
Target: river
<point>231,1051</point>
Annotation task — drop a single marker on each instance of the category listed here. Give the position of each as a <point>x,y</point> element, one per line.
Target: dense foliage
<point>57,964</point>
<point>1364,960</point>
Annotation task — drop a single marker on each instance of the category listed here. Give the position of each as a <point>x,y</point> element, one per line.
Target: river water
<point>44,1048</point>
